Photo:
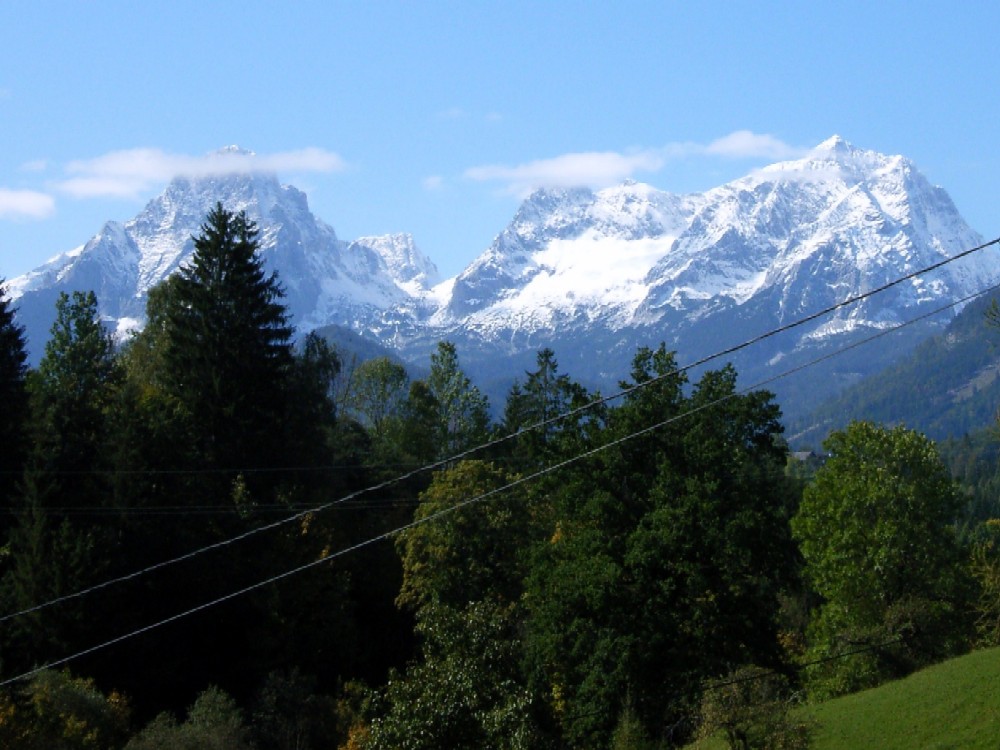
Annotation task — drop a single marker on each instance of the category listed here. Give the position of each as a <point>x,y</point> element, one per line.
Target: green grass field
<point>955,704</point>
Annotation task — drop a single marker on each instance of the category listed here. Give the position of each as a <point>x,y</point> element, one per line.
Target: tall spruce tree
<point>228,356</point>
<point>220,365</point>
<point>14,397</point>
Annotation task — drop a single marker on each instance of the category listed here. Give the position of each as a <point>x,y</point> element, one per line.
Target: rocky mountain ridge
<point>593,274</point>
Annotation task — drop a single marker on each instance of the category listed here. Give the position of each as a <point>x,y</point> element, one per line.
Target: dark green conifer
<point>228,355</point>
<point>13,396</point>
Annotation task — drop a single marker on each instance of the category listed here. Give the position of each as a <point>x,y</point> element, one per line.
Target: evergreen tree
<point>49,559</point>
<point>227,352</point>
<point>56,546</point>
<point>545,395</point>
<point>14,397</point>
<point>310,418</point>
<point>72,394</point>
<point>462,410</point>
<point>73,388</point>
<point>216,375</point>
<point>418,428</point>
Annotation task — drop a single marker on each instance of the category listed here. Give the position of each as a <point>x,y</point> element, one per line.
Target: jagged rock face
<point>591,273</point>
<point>325,279</point>
<point>403,260</point>
<point>802,235</point>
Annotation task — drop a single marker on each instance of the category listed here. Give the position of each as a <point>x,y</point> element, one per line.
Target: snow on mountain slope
<point>591,273</point>
<point>325,279</point>
<point>800,235</point>
<point>569,252</point>
<point>408,267</point>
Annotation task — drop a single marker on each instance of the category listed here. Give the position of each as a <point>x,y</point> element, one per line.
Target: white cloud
<point>744,144</point>
<point>602,168</point>
<point>25,204</point>
<point>592,168</point>
<point>433,182</point>
<point>129,173</point>
<point>36,165</point>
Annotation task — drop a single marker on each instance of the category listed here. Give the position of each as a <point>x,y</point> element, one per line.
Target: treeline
<point>582,572</point>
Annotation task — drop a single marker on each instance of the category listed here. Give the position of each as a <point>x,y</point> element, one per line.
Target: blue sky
<point>434,118</point>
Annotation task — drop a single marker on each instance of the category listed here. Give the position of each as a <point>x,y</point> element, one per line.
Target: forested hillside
<point>948,386</point>
<point>214,538</point>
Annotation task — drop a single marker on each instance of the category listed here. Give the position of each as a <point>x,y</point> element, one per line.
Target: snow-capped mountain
<point>593,274</point>
<point>802,234</point>
<point>596,274</point>
<point>324,277</point>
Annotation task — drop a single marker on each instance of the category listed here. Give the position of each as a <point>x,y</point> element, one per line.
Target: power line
<point>585,407</point>
<point>538,425</point>
<point>473,500</point>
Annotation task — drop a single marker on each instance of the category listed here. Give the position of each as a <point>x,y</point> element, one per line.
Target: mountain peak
<point>591,272</point>
<point>835,143</point>
<point>834,156</point>
<point>846,155</point>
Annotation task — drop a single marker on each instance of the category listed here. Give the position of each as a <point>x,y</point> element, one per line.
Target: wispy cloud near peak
<point>598,169</point>
<point>131,172</point>
<point>590,168</point>
<point>744,144</point>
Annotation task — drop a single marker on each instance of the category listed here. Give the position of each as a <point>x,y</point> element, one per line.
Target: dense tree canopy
<point>667,557</point>
<point>876,529</point>
<point>462,576</point>
<point>573,576</point>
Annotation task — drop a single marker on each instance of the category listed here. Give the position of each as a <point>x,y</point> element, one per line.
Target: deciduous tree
<point>876,531</point>
<point>667,556</point>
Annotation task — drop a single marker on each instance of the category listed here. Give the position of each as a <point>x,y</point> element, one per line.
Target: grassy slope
<point>955,704</point>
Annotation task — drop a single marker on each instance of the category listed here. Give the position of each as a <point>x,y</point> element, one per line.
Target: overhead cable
<point>442,463</point>
<point>475,499</point>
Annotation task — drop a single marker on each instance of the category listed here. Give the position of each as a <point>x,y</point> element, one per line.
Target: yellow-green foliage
<point>986,571</point>
<point>751,708</point>
<point>56,710</point>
